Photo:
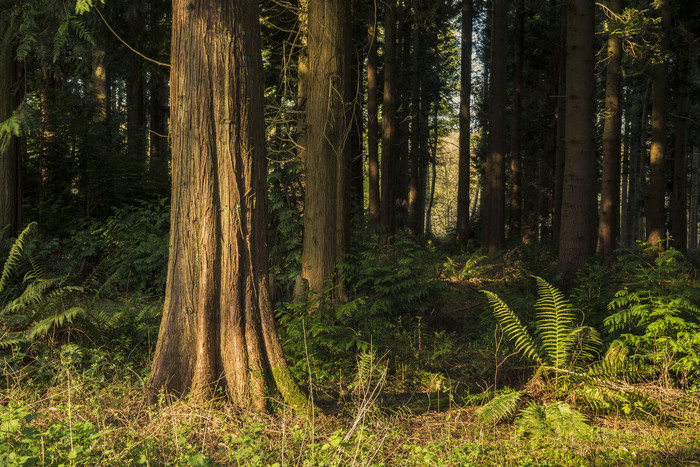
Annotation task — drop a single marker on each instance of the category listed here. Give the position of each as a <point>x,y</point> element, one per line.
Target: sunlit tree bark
<point>372,113</point>
<point>217,328</point>
<point>656,212</point>
<point>327,162</point>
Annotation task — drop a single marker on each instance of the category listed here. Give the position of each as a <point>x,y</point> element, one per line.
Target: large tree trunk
<point>610,189</point>
<point>515,214</point>
<point>388,120</point>
<point>326,213</point>
<point>656,213</point>
<point>576,240</point>
<point>10,154</point>
<point>680,156</point>
<point>372,114</point>
<point>493,213</point>
<point>465,91</point>
<point>217,328</point>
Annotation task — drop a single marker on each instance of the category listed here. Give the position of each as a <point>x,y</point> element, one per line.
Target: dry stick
<point>128,46</point>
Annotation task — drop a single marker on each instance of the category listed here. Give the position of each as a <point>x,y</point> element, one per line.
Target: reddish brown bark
<point>217,328</point>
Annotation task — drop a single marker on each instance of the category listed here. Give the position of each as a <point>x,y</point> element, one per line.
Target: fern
<point>557,419</point>
<point>502,406</point>
<point>555,324</point>
<point>15,255</point>
<point>513,328</point>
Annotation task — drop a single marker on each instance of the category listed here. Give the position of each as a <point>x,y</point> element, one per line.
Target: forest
<point>349,232</point>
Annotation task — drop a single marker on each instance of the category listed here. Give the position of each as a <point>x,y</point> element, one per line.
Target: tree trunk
<point>693,217</point>
<point>493,213</point>
<point>656,216</point>
<point>326,213</point>
<point>465,91</point>
<point>217,328</point>
<point>355,95</point>
<point>158,136</point>
<point>514,225</point>
<point>610,187</point>
<point>136,135</point>
<point>415,220</point>
<point>388,120</point>
<point>372,114</point>
<point>10,152</point>
<point>576,241</point>
<point>560,123</point>
<point>678,205</point>
<point>433,167</point>
<point>625,184</point>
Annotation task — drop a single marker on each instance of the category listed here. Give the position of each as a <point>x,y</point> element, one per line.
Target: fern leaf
<point>500,407</point>
<point>555,323</point>
<point>55,321</point>
<point>15,255</point>
<point>513,328</point>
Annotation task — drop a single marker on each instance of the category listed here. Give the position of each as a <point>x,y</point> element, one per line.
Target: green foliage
<point>557,420</point>
<point>501,406</point>
<point>129,251</point>
<point>386,285</point>
<point>657,315</point>
<point>558,341</point>
<point>394,275</point>
<point>34,306</point>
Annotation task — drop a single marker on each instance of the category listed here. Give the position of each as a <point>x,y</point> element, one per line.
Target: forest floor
<point>417,404</point>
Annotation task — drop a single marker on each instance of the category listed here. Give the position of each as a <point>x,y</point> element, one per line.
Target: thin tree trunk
<point>135,116</point>
<point>10,150</point>
<point>372,110</point>
<point>493,211</point>
<point>414,194</point>
<point>678,205</point>
<point>158,136</point>
<point>515,222</point>
<point>217,328</point>
<point>560,118</point>
<point>326,214</point>
<point>609,208</point>
<point>388,120</point>
<point>625,183</point>
<point>577,241</point>
<point>656,216</point>
<point>433,166</point>
<point>465,80</point>
<point>693,217</point>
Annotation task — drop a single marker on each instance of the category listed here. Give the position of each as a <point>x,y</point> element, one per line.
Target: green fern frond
<point>513,328</point>
<point>15,255</point>
<point>55,321</point>
<point>556,419</point>
<point>586,344</point>
<point>500,407</point>
<point>13,340</point>
<point>556,322</point>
